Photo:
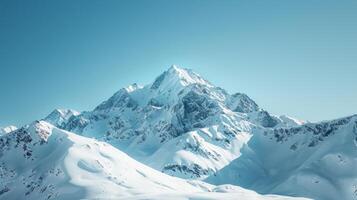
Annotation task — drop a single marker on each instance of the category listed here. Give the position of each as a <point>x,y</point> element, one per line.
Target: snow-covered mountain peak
<point>133,87</point>
<point>166,89</point>
<point>41,129</point>
<point>177,105</point>
<point>178,77</point>
<point>60,116</point>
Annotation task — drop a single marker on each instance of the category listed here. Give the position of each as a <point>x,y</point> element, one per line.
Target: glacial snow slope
<point>313,160</point>
<point>180,124</point>
<point>40,161</point>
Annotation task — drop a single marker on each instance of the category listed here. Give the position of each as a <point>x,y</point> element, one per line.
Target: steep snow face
<point>313,160</point>
<point>59,117</point>
<point>198,153</point>
<point>7,129</point>
<point>40,161</point>
<point>143,121</point>
<point>242,103</point>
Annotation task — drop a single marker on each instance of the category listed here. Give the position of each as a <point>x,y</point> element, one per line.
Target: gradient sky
<point>292,57</point>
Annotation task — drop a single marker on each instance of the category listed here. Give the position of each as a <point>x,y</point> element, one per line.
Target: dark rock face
<point>196,148</point>
<point>194,170</point>
<point>158,81</point>
<point>266,120</point>
<point>195,108</point>
<point>167,131</point>
<point>76,123</point>
<point>317,132</point>
<point>4,190</point>
<point>20,138</point>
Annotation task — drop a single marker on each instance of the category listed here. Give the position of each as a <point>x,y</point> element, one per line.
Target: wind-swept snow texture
<point>40,161</point>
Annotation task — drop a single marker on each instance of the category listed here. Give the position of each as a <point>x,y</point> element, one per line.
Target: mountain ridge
<point>184,126</point>
<point>140,119</point>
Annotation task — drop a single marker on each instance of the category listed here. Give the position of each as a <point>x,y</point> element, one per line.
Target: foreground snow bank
<point>43,162</point>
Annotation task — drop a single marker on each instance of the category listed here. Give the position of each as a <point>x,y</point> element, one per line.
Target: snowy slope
<point>40,161</point>
<point>180,106</point>
<point>7,129</point>
<point>197,153</point>
<point>314,160</point>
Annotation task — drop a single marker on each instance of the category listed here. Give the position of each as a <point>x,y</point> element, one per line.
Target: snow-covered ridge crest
<point>176,76</point>
<point>7,129</point>
<point>133,87</point>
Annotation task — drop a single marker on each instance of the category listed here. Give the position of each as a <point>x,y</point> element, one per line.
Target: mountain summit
<point>176,76</point>
<point>206,125</point>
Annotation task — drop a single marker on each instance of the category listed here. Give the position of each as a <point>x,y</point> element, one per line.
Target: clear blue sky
<point>292,57</point>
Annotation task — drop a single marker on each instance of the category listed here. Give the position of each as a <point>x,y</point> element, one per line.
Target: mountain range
<point>179,137</point>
